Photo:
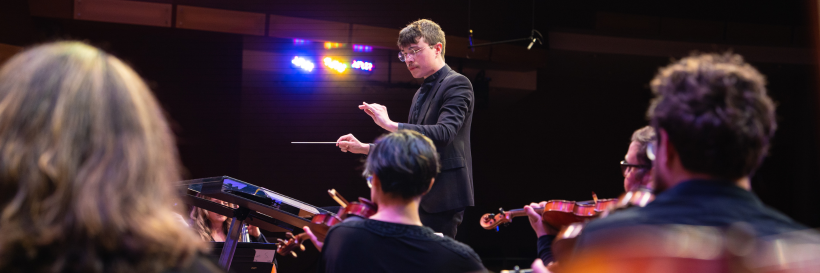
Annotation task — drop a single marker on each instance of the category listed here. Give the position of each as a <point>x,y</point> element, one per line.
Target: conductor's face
<point>420,58</point>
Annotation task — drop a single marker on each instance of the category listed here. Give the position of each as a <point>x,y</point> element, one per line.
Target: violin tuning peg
<point>302,247</point>
<point>501,210</point>
<point>293,253</point>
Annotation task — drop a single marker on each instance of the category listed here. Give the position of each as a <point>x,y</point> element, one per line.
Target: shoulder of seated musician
<point>387,230</point>
<point>619,218</point>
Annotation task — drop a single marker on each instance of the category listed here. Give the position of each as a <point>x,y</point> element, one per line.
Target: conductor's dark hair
<point>405,162</point>
<point>716,112</point>
<point>423,28</point>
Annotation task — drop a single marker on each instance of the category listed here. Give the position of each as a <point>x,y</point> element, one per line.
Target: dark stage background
<point>562,140</point>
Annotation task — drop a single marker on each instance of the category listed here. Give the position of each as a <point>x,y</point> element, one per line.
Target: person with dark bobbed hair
<point>87,169</point>
<point>400,168</point>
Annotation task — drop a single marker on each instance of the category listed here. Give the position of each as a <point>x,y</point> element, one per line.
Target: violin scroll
<point>283,247</point>
<point>493,220</point>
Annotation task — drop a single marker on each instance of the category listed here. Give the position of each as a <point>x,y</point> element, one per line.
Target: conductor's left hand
<point>379,114</point>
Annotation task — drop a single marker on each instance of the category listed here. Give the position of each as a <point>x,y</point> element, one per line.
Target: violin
<point>564,243</point>
<point>364,209</point>
<point>556,213</point>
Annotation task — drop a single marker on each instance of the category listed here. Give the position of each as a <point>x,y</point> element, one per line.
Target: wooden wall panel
<point>375,36</point>
<point>316,30</point>
<point>661,48</point>
<point>51,8</point>
<point>458,47</point>
<point>240,22</point>
<point>124,12</point>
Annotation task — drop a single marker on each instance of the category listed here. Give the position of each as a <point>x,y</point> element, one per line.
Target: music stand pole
<point>232,239</point>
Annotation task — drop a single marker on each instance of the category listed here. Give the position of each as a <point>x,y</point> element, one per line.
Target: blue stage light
<point>362,65</point>
<point>300,42</point>
<point>362,48</point>
<point>303,63</point>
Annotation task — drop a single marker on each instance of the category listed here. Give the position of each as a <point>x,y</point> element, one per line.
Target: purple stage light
<point>362,48</point>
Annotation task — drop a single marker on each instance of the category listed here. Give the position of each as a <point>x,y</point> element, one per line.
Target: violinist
<point>714,122</point>
<point>637,170</point>
<point>401,168</point>
<point>211,226</point>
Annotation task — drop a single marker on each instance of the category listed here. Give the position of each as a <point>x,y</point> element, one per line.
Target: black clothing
<point>445,115</point>
<point>428,84</point>
<point>446,221</point>
<point>376,246</point>
<point>200,264</point>
<point>260,239</point>
<point>545,248</point>
<point>698,203</point>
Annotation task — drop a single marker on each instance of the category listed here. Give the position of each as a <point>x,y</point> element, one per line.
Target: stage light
<point>303,63</point>
<point>300,42</point>
<point>334,64</point>
<point>362,48</point>
<point>329,45</point>
<point>362,65</point>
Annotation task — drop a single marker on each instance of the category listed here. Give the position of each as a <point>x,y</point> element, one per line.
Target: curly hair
<point>87,166</point>
<point>716,112</point>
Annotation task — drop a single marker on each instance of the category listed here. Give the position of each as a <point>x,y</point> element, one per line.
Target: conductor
<point>442,110</point>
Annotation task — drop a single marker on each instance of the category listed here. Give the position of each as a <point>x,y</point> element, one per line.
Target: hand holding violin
<point>541,228</point>
<point>313,239</point>
<point>364,209</point>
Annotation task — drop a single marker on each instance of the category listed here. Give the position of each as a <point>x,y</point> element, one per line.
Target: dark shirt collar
<point>707,188</point>
<point>437,75</point>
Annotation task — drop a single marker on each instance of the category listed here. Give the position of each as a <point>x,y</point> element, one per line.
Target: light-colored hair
<point>643,137</point>
<point>87,167</point>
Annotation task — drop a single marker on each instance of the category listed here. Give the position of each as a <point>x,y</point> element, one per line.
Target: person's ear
<point>376,183</point>
<point>439,48</point>
<point>432,181</point>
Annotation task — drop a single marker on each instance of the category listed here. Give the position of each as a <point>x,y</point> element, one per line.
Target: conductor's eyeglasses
<point>403,56</point>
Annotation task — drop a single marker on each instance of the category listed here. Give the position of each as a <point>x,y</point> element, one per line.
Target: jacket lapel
<point>410,118</point>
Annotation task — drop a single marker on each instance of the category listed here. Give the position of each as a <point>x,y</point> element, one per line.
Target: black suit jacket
<point>445,118</point>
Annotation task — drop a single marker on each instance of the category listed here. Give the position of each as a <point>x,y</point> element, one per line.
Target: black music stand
<point>255,207</point>
<point>245,254</point>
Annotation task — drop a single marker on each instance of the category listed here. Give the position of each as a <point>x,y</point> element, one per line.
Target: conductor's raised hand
<point>379,114</point>
<point>349,143</point>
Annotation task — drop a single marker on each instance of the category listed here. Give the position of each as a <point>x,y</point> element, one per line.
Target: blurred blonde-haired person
<point>87,168</point>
